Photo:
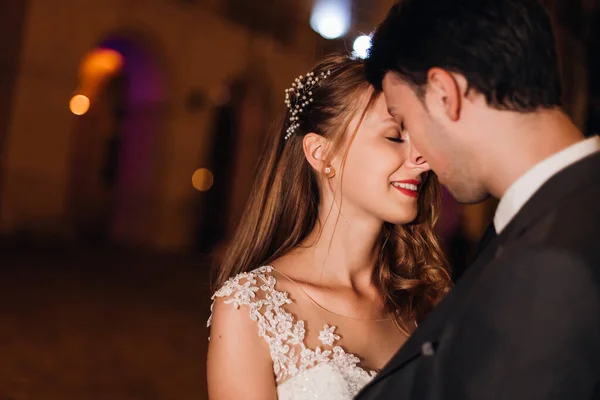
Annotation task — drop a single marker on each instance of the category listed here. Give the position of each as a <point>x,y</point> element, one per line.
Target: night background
<point>129,133</point>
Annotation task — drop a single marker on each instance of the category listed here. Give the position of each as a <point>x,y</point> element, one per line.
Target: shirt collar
<point>524,187</point>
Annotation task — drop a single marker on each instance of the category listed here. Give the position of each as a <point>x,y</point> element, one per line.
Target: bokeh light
<point>361,46</point>
<point>202,179</point>
<point>79,104</point>
<point>331,18</point>
<point>102,62</point>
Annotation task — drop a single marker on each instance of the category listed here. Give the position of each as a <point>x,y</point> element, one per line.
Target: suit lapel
<point>431,327</point>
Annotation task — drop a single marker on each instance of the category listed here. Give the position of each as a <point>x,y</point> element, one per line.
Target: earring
<point>329,171</point>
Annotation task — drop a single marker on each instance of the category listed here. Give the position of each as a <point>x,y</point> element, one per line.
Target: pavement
<point>100,322</point>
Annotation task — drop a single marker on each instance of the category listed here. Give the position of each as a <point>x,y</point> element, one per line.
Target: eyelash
<point>395,139</point>
<point>398,139</point>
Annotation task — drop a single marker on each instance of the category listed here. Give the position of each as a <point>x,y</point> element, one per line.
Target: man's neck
<point>526,141</point>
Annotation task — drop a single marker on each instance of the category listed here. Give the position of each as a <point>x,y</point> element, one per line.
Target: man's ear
<point>444,91</point>
<point>315,149</point>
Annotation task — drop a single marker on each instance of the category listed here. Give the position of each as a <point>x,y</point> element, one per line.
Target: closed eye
<point>395,136</point>
<point>395,139</point>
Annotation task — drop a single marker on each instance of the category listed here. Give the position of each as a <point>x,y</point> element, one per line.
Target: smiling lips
<point>408,187</point>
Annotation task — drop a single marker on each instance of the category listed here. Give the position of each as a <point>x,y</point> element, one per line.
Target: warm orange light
<point>202,179</point>
<point>102,62</point>
<point>79,104</point>
<point>97,67</point>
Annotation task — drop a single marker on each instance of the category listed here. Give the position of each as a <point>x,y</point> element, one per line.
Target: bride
<point>335,260</point>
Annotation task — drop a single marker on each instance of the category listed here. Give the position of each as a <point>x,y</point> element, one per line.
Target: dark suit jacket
<point>524,320</point>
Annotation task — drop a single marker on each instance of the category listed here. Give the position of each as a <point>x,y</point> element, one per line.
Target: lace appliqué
<point>284,335</point>
<point>327,337</point>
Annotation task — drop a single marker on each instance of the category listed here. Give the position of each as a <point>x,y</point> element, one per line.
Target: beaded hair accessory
<point>299,96</point>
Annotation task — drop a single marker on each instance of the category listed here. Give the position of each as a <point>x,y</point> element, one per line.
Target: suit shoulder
<point>544,268</point>
<point>573,225</point>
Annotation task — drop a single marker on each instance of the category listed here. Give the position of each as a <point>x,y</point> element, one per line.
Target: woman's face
<point>383,171</point>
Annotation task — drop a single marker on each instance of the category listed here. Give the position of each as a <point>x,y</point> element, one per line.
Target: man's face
<point>432,134</point>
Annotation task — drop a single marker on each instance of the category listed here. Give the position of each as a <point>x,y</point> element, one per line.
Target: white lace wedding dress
<point>322,371</point>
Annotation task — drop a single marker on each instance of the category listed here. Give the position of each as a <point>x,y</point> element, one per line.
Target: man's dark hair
<point>504,48</point>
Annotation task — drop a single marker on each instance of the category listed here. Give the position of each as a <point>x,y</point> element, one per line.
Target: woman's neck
<point>343,249</point>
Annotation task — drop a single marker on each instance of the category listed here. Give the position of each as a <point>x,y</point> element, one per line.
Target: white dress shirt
<point>525,187</point>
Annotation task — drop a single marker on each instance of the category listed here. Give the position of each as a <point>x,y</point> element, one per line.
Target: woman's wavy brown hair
<point>283,207</point>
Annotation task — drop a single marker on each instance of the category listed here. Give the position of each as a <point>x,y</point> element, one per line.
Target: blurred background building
<point>129,132</point>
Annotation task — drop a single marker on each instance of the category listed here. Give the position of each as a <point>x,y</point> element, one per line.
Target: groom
<point>476,85</point>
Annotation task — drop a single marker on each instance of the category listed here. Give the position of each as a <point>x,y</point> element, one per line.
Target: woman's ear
<point>315,150</point>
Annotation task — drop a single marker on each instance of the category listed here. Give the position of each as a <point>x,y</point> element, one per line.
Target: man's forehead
<point>398,91</point>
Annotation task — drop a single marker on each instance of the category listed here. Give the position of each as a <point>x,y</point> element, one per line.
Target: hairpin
<point>299,96</point>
